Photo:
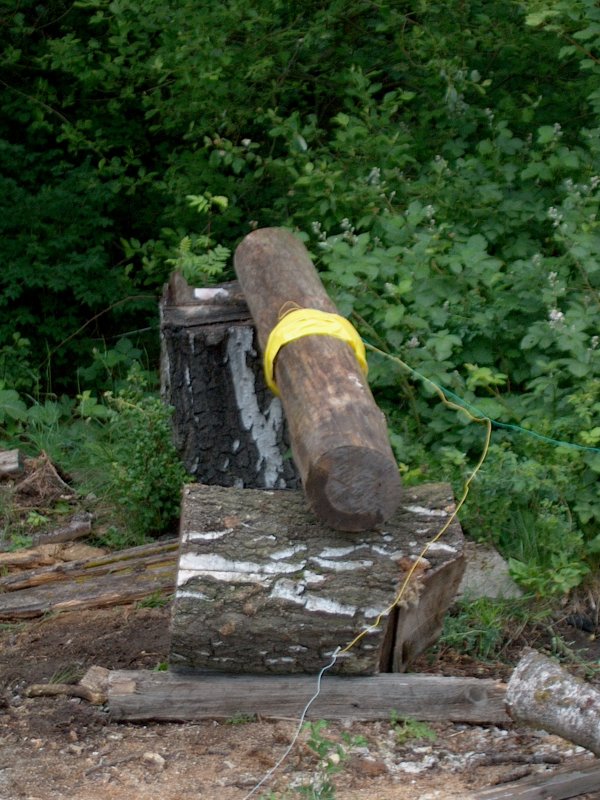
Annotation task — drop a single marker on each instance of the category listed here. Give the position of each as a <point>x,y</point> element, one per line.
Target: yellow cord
<point>483,420</point>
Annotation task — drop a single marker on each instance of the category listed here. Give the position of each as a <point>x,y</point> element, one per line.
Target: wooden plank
<point>121,577</point>
<point>11,463</point>
<point>79,525</point>
<point>541,694</point>
<point>338,435</point>
<point>558,786</point>
<point>140,695</point>
<point>263,587</point>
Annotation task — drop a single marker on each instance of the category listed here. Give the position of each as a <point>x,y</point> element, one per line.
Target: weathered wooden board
<point>263,587</point>
<point>118,578</point>
<point>228,428</point>
<point>338,435</point>
<point>584,780</point>
<point>541,694</point>
<point>11,463</point>
<point>141,695</point>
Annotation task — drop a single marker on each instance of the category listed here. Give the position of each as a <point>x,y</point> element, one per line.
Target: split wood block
<point>262,587</point>
<point>228,428</point>
<point>338,434</point>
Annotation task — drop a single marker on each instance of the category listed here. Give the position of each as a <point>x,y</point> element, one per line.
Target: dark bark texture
<point>228,427</point>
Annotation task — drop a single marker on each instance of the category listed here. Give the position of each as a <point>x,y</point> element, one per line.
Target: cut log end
<point>354,489</point>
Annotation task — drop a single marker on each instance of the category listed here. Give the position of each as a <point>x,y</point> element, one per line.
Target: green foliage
<point>484,628</point>
<point>440,160</point>
<point>407,729</point>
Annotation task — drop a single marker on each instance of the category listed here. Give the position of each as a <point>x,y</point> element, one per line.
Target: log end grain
<point>353,489</point>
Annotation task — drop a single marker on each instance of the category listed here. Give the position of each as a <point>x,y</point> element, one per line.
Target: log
<point>541,694</point>
<point>142,695</point>
<point>570,782</point>
<point>264,587</point>
<point>77,527</point>
<point>228,427</point>
<point>338,435</point>
<point>115,579</point>
<point>11,463</point>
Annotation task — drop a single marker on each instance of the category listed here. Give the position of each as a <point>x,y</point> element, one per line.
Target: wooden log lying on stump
<point>543,695</point>
<point>228,427</point>
<point>263,587</point>
<point>338,435</point>
<point>140,695</point>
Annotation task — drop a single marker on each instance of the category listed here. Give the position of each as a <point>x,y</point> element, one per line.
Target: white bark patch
<point>340,566</point>
<point>337,552</point>
<point>211,294</point>
<point>427,512</point>
<point>194,565</point>
<point>182,593</point>
<point>295,592</point>
<point>263,428</point>
<point>289,551</point>
<point>441,547</point>
<point>205,536</point>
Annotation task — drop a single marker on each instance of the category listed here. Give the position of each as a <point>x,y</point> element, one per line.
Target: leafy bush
<point>441,161</point>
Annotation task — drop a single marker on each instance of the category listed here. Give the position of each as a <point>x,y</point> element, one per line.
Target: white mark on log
<point>314,603</point>
<point>371,613</point>
<point>288,590</point>
<point>337,552</point>
<point>235,446</point>
<point>238,483</point>
<point>289,551</point>
<point>269,536</point>
<point>294,592</point>
<point>187,377</point>
<point>225,465</point>
<point>382,551</point>
<point>182,593</point>
<point>208,536</point>
<point>282,660</point>
<point>212,565</point>
<point>428,512</point>
<point>298,648</point>
<point>445,548</point>
<point>262,427</point>
<point>312,577</point>
<point>387,537</point>
<point>341,566</point>
<point>211,294</point>
<point>356,381</point>
<point>422,530</point>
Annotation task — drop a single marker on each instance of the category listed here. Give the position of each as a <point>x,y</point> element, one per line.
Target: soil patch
<point>64,748</point>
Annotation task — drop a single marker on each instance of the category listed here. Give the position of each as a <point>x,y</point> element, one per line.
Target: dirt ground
<point>64,748</point>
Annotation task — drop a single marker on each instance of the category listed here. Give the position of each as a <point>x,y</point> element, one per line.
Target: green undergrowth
<point>441,161</point>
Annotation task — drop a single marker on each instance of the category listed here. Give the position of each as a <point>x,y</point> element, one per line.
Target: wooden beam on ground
<point>557,786</point>
<point>142,695</point>
<point>338,435</point>
<point>541,694</point>
<point>115,579</point>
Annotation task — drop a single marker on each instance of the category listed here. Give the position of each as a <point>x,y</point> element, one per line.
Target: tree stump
<point>228,427</point>
<point>339,437</point>
<point>263,587</point>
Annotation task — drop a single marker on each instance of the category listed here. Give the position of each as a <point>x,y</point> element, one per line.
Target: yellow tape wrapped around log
<point>309,322</point>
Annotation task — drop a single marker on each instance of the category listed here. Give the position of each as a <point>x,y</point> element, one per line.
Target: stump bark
<point>262,587</point>
<point>228,427</point>
<point>339,437</point>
